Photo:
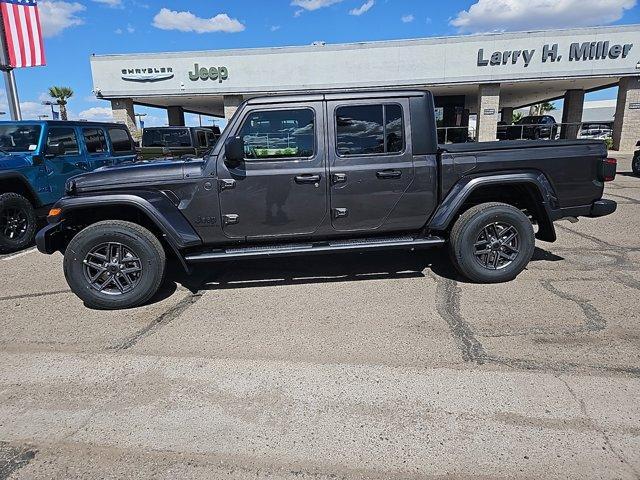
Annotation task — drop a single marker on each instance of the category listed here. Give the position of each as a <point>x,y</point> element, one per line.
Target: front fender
<point>461,191</point>
<point>155,205</point>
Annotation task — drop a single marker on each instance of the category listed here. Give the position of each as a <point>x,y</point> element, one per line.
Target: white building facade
<point>485,75</point>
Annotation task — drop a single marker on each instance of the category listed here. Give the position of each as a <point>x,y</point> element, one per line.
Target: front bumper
<point>599,208</point>
<point>51,238</point>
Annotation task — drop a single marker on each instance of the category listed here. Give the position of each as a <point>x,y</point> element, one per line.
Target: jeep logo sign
<point>211,73</point>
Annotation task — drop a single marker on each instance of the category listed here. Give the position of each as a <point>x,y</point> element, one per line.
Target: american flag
<point>23,35</point>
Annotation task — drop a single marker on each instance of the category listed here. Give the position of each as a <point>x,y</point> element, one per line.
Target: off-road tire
<point>467,228</point>
<point>17,201</point>
<point>138,239</point>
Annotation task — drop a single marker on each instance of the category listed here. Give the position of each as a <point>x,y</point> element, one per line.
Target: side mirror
<point>234,151</point>
<point>54,150</point>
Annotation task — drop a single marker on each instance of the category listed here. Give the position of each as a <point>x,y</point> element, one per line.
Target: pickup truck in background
<point>176,142</point>
<point>310,174</point>
<point>38,157</point>
<point>532,128</point>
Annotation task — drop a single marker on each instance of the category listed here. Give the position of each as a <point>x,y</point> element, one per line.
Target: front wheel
<point>492,243</point>
<point>114,264</point>
<point>18,222</point>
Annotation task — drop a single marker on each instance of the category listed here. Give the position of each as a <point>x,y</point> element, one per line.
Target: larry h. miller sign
<point>578,52</point>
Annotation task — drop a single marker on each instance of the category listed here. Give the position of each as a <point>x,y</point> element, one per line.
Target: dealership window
<point>369,129</point>
<point>279,134</point>
<point>64,136</point>
<point>120,140</point>
<point>95,140</point>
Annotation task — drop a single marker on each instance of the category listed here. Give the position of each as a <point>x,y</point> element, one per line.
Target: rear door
<point>370,162</point>
<point>95,142</point>
<point>280,189</point>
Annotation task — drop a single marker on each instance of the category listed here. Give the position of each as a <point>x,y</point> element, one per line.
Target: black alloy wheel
<point>112,268</point>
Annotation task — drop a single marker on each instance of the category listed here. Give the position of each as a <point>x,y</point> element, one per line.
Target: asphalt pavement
<point>379,365</point>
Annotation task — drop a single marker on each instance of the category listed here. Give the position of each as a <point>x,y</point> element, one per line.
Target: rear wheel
<point>114,264</point>
<point>492,242</point>
<point>18,222</point>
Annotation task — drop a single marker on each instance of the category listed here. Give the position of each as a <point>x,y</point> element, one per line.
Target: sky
<point>74,30</point>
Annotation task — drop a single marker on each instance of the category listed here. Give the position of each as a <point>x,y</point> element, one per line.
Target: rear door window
<point>166,137</point>
<point>95,140</point>
<point>369,130</point>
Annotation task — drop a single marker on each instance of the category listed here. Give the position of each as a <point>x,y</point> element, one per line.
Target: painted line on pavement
<point>19,254</point>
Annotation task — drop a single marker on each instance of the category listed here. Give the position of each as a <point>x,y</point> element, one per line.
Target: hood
<point>14,161</point>
<point>134,174</point>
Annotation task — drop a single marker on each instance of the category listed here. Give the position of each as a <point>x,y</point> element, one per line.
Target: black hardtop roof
<point>346,95</point>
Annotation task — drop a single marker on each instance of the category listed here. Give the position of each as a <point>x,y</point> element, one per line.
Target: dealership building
<point>481,76</point>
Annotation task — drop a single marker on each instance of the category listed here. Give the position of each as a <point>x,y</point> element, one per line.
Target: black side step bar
<point>311,248</point>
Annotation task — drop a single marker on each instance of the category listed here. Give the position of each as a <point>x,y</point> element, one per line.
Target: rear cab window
<point>121,141</point>
<point>166,137</point>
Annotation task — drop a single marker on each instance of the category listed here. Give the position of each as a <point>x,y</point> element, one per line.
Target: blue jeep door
<point>61,167</point>
<point>95,142</point>
<point>121,145</point>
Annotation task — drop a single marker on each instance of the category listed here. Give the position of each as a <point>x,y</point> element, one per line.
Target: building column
<point>626,125</point>
<point>175,116</point>
<point>507,115</point>
<point>488,112</point>
<point>123,112</point>
<point>231,104</point>
<point>572,114</point>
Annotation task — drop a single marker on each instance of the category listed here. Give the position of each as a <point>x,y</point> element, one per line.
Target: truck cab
<point>38,157</point>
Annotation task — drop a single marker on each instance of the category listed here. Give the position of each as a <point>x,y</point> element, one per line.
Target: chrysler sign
<point>147,74</point>
<point>578,52</point>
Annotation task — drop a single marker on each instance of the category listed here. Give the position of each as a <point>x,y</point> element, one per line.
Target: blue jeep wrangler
<point>38,157</point>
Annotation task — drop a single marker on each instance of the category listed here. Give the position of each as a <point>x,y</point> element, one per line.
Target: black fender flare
<point>19,177</point>
<point>446,212</point>
<point>164,214</point>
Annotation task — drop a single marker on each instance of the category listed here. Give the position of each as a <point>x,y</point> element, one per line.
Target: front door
<point>370,163</point>
<point>280,189</point>
<point>61,167</point>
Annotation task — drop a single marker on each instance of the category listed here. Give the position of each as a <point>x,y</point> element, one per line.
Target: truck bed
<point>513,144</point>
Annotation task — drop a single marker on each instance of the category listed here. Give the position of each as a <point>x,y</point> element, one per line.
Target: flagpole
<point>9,77</point>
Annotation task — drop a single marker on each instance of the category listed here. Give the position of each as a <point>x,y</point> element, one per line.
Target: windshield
<point>19,138</point>
<point>166,137</point>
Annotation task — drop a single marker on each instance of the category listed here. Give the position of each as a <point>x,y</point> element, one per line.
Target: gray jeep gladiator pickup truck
<point>320,173</point>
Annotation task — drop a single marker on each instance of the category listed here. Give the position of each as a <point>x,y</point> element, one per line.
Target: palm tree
<point>61,94</point>
<point>541,108</point>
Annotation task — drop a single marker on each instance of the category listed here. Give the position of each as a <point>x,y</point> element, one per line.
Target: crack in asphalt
<point>583,409</point>
<point>13,458</point>
<point>159,322</point>
<point>448,295</point>
<point>34,295</point>
<point>594,321</point>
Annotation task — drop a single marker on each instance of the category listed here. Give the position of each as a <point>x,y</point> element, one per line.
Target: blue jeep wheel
<point>17,222</point>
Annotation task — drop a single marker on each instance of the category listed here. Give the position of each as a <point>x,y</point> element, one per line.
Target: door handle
<point>383,174</point>
<point>307,178</point>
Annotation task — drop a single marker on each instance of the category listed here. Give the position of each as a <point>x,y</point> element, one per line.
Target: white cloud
<point>407,18</point>
<point>275,28</point>
<point>31,110</point>
<point>314,4</point>
<point>56,16</point>
<point>364,8</point>
<point>129,29</point>
<point>98,114</point>
<point>110,3</point>
<point>500,15</point>
<point>167,19</point>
